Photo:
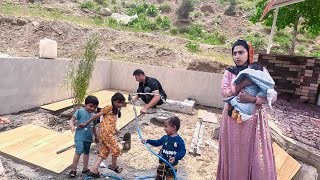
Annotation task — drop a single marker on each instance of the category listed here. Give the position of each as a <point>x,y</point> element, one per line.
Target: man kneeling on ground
<point>149,85</point>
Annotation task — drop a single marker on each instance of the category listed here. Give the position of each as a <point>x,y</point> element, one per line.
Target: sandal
<point>85,171</point>
<point>117,169</point>
<point>94,175</point>
<point>72,174</point>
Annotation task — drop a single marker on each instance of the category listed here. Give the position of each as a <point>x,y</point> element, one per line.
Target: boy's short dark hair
<point>256,66</point>
<point>91,100</point>
<point>138,72</point>
<point>174,121</point>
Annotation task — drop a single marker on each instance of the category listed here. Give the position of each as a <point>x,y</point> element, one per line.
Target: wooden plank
<point>34,140</point>
<point>207,116</point>
<point>210,117</point>
<point>38,146</point>
<point>44,155</point>
<point>128,115</point>
<point>104,97</point>
<point>194,142</point>
<point>16,135</point>
<point>200,113</point>
<point>58,105</point>
<point>286,165</point>
<point>280,158</point>
<point>200,139</point>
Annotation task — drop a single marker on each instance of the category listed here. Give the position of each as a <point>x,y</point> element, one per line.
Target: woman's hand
<point>244,97</point>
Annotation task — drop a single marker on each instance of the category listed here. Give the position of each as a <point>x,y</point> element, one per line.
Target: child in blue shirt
<point>173,148</point>
<point>83,136</point>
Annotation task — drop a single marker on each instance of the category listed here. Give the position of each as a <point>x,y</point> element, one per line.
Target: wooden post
<point>272,29</point>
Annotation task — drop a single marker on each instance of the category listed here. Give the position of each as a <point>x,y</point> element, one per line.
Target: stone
<point>122,18</point>
<point>207,8</point>
<point>185,106</point>
<point>163,116</point>
<point>105,12</point>
<point>4,55</point>
<point>112,49</point>
<point>35,23</point>
<point>1,169</point>
<point>306,172</point>
<point>315,121</point>
<point>216,133</point>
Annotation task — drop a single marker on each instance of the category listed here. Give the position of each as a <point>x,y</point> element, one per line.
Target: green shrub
<point>256,41</point>
<point>193,46</point>
<point>150,10</point>
<point>166,23</point>
<point>316,54</point>
<point>196,32</point>
<point>88,5</point>
<point>174,31</point>
<point>80,70</point>
<point>214,38</point>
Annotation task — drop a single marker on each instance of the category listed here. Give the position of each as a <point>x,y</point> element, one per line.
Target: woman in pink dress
<point>245,149</point>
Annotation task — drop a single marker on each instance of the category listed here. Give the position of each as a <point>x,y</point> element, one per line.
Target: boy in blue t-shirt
<point>173,148</point>
<point>83,136</point>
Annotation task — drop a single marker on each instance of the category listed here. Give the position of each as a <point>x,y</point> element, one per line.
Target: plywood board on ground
<point>38,146</point>
<point>200,113</point>
<point>286,165</point>
<point>127,115</point>
<point>207,116</point>
<point>104,97</point>
<point>44,155</point>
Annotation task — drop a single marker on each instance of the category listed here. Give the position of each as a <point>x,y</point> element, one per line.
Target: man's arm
<point>154,100</point>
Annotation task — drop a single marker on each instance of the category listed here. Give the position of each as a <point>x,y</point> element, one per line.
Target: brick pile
<point>296,75</point>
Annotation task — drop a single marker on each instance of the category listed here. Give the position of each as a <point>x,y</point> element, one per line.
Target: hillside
<point>200,43</point>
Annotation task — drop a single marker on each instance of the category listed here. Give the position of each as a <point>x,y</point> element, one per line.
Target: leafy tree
<point>306,14</point>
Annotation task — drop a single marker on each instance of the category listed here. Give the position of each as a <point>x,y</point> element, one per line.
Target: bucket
<point>48,48</point>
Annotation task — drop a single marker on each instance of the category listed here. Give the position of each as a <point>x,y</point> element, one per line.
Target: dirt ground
<point>298,120</point>
<point>21,37</point>
<point>136,162</point>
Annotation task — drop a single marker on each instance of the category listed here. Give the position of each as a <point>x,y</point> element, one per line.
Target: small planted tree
<point>80,70</point>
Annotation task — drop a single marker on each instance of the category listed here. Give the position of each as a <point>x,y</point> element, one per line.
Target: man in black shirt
<point>149,85</point>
